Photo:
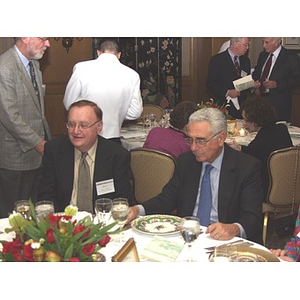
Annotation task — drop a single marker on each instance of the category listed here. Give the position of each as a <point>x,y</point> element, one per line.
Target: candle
<point>242,132</point>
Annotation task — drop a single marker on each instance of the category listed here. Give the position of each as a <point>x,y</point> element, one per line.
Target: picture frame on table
<point>291,43</point>
<point>128,253</point>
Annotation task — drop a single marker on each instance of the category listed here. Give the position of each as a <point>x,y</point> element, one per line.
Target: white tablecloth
<point>133,137</point>
<point>245,140</point>
<point>198,248</point>
<point>142,240</point>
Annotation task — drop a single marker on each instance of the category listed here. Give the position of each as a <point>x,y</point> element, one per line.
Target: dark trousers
<point>17,185</point>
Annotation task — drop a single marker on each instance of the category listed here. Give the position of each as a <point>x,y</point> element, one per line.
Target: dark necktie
<point>265,73</point>
<point>84,187</point>
<point>205,199</point>
<point>237,66</point>
<point>33,79</point>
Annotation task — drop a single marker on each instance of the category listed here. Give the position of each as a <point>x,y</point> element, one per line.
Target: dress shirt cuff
<point>141,210</point>
<point>242,231</point>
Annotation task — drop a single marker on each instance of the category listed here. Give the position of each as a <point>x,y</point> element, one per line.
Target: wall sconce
<point>67,42</point>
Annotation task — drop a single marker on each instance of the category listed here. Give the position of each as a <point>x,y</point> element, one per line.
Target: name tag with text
<point>105,187</point>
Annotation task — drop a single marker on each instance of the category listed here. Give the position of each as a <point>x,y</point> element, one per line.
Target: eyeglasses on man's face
<point>44,39</point>
<point>81,126</point>
<point>200,141</point>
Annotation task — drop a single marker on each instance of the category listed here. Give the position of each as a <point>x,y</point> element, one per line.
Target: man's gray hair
<point>235,39</point>
<point>213,116</point>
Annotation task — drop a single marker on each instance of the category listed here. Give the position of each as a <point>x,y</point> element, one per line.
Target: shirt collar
<point>277,51</point>
<point>232,55</point>
<point>24,60</point>
<point>91,152</point>
<point>217,163</point>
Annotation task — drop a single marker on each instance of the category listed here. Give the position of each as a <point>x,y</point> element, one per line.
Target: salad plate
<point>157,224</point>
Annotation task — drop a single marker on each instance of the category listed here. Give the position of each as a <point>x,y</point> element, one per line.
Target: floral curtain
<point>158,61</point>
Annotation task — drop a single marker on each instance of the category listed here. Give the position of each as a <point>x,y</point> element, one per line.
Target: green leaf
<point>69,252</point>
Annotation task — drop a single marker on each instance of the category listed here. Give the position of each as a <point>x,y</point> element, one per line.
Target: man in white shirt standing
<point>114,87</point>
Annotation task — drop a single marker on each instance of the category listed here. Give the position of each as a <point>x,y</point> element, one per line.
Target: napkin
<point>162,250</point>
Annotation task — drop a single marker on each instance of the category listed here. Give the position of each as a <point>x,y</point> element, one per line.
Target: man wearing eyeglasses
<point>23,127</point>
<point>112,85</point>
<point>235,182</point>
<point>107,162</point>
<point>223,69</point>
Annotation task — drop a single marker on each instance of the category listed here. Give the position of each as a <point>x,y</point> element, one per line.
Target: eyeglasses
<point>245,44</point>
<point>43,39</point>
<point>81,126</point>
<point>199,141</point>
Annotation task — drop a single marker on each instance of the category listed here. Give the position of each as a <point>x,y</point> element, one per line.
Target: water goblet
<point>23,207</point>
<point>43,209</point>
<point>190,230</point>
<point>103,210</point>
<point>120,213</point>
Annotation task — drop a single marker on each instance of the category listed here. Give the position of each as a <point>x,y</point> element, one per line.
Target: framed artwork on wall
<point>291,42</point>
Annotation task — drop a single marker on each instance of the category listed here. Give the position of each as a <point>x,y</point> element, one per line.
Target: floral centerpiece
<point>211,103</point>
<point>58,237</point>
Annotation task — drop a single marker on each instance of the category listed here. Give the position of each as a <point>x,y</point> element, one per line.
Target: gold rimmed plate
<point>157,224</point>
<point>248,254</point>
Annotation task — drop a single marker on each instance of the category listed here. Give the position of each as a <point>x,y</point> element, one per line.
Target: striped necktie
<point>237,66</point>
<point>33,80</point>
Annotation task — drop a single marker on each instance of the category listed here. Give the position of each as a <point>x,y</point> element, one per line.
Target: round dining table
<point>200,248</point>
<point>134,136</point>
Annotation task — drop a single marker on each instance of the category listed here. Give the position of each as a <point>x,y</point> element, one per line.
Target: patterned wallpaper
<point>158,61</point>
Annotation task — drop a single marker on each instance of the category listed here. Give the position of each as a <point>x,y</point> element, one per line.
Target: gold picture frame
<point>128,253</point>
<point>291,42</point>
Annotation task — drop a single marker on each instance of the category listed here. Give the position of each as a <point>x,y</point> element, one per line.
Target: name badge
<point>105,187</point>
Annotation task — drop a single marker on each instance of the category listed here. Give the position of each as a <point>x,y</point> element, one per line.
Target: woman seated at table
<point>291,250</point>
<point>259,116</point>
<point>171,140</point>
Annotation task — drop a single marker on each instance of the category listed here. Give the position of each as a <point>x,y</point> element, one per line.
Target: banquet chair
<point>153,109</point>
<point>151,170</point>
<point>283,196</point>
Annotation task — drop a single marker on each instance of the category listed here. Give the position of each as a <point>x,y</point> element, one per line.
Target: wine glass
<point>23,207</point>
<point>103,210</point>
<point>190,230</point>
<point>43,209</point>
<point>120,212</point>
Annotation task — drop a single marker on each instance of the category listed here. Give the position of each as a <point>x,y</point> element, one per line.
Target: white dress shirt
<point>113,86</point>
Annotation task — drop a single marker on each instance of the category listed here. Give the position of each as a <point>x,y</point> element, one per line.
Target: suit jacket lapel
<point>27,81</point>
<point>66,165</point>
<point>278,62</point>
<point>227,184</point>
<point>192,192</point>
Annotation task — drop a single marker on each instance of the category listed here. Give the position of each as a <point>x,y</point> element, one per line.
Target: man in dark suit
<point>282,78</point>
<point>223,69</point>
<point>235,182</point>
<point>23,126</point>
<point>108,162</point>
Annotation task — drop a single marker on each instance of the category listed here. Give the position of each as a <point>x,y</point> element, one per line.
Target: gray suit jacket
<point>22,121</point>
